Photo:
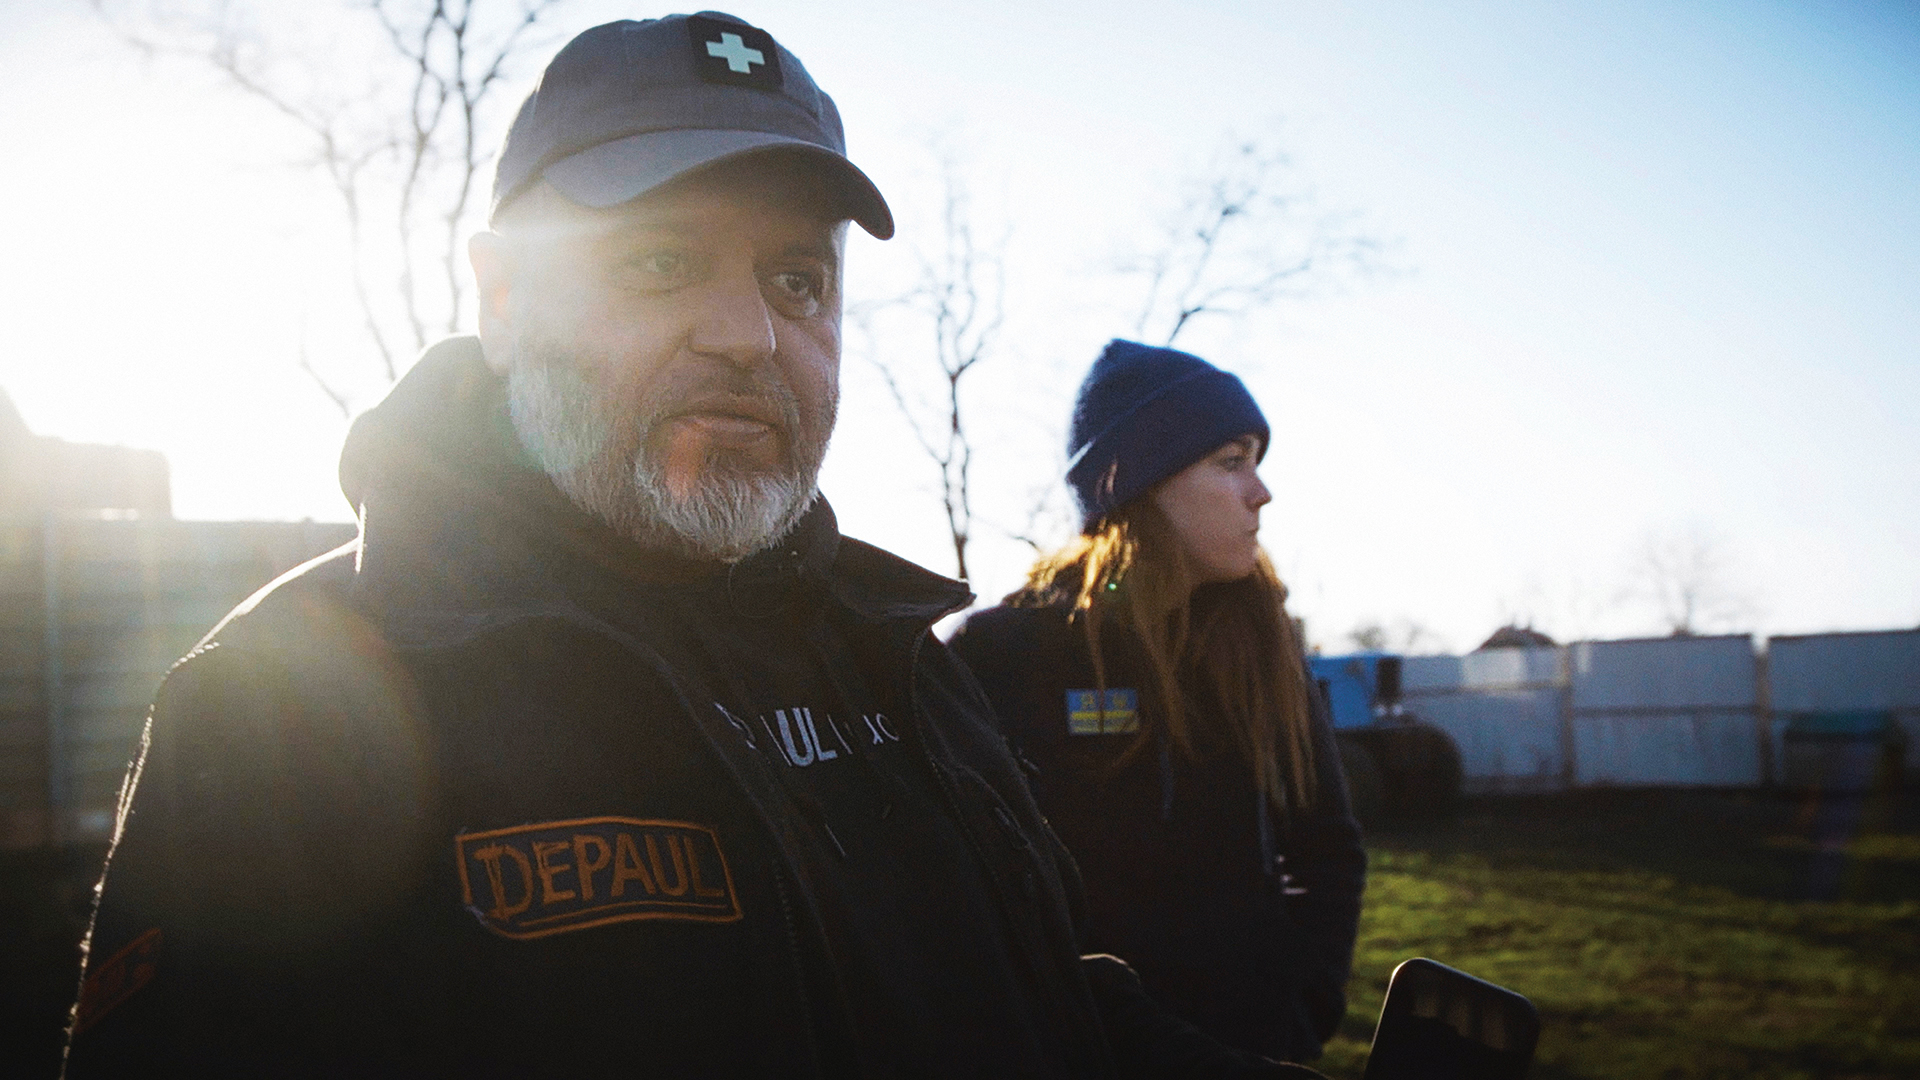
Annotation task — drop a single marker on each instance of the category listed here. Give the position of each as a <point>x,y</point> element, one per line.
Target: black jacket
<point>1235,919</point>
<point>489,792</point>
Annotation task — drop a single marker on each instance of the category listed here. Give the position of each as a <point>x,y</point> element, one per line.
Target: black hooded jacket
<point>1236,918</point>
<point>490,792</point>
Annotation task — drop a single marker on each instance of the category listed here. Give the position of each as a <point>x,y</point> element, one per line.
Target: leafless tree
<point>402,151</point>
<point>1568,607</point>
<point>1404,636</point>
<point>1370,636</point>
<point>1243,234</point>
<point>1686,576</point>
<point>1048,516</point>
<point>960,300</point>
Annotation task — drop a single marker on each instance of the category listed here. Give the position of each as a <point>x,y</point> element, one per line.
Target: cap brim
<point>614,172</point>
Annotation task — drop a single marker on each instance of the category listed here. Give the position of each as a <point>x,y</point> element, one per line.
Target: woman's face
<point>1214,508</point>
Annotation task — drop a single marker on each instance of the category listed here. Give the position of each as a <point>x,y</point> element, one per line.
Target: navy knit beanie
<point>1145,413</point>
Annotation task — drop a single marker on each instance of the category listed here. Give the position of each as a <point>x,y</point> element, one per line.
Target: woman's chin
<point>1226,573</point>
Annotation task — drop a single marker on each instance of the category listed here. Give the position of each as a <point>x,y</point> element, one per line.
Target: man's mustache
<point>726,391</point>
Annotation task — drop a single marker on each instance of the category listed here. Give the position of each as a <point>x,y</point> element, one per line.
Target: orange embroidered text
<point>554,876</point>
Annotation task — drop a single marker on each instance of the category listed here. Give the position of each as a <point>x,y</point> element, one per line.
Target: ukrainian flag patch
<point>1119,714</point>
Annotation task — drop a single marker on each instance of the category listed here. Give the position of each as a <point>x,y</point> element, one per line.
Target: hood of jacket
<point>461,531</point>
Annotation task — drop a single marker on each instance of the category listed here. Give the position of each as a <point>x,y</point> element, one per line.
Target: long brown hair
<point>1230,646</point>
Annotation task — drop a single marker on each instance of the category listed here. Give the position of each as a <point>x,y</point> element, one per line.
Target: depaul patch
<point>554,876</point>
<point>116,980</point>
<point>1118,715</point>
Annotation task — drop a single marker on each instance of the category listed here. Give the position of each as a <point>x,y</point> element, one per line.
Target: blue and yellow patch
<point>1118,715</point>
<point>554,876</point>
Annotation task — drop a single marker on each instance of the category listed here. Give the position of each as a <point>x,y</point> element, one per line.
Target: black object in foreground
<point>1439,1023</point>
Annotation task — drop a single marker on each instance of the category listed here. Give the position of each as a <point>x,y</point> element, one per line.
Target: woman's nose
<point>1258,496</point>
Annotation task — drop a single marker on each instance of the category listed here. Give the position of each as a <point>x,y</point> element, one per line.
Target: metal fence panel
<point>1670,711</point>
<point>1849,672</point>
<point>93,611</point>
<point>1503,708</point>
<point>1665,673</point>
<point>1673,748</point>
<point>1658,711</point>
<point>1509,741</point>
<point>1494,669</point>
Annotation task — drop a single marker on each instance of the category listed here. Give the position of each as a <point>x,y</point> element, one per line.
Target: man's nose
<point>734,322</point>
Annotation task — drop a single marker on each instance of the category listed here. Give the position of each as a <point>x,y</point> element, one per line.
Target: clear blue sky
<point>1660,276</point>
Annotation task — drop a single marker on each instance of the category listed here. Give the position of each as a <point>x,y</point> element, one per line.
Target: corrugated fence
<point>1707,711</point>
<point>93,611</point>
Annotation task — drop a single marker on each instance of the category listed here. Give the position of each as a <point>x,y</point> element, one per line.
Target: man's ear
<point>493,277</point>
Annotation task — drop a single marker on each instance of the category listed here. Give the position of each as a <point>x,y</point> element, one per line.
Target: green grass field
<point>1663,933</point>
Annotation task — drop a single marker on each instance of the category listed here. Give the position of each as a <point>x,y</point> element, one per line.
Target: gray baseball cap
<point>628,106</point>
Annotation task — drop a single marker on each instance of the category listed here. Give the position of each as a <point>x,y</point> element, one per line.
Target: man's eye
<point>795,283</point>
<point>661,269</point>
<point>662,262</point>
<point>801,288</point>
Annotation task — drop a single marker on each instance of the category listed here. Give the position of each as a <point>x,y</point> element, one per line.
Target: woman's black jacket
<point>1236,918</point>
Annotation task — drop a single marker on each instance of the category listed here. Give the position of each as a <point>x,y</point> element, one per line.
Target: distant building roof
<point>1517,637</point>
<point>13,428</point>
<point>40,474</point>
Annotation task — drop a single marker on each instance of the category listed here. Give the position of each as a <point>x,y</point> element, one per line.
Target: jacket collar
<point>460,532</point>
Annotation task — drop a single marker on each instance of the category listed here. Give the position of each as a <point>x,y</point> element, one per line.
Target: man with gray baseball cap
<point>628,106</point>
<point>601,751</point>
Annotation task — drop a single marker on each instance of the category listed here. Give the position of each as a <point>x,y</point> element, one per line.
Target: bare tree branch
<point>404,156</point>
<point>907,410</point>
<point>1046,515</point>
<point>1240,239</point>
<point>306,364</point>
<point>1685,575</point>
<point>1403,636</point>
<point>961,295</point>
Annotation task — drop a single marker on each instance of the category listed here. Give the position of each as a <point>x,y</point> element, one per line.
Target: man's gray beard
<point>730,514</point>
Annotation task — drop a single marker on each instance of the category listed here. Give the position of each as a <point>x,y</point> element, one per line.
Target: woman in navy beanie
<point>1150,672</point>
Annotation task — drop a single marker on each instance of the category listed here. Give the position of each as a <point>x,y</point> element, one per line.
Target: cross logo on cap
<point>733,53</point>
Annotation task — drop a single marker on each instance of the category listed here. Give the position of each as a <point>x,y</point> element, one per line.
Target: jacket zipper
<point>782,858</point>
<point>1037,946</point>
<point>799,965</point>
